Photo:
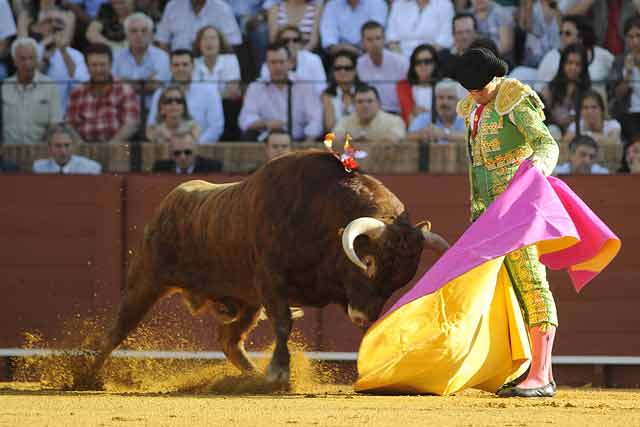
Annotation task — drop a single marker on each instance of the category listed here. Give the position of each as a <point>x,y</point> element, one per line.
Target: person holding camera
<point>59,61</point>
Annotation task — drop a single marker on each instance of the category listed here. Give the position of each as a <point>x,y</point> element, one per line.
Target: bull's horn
<point>434,241</point>
<point>364,225</point>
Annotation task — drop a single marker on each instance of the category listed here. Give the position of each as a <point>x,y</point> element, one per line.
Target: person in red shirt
<point>104,109</point>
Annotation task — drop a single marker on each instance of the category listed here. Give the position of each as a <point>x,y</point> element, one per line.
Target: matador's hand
<point>539,163</point>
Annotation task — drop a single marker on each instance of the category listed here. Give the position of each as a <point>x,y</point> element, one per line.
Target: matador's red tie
<point>476,119</point>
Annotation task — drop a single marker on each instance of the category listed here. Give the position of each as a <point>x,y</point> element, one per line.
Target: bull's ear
<point>372,266</point>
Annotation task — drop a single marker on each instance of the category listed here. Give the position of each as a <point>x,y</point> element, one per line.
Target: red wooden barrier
<point>63,242</point>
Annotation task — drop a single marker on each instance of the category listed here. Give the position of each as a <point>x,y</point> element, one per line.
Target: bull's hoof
<point>88,383</point>
<point>276,375</point>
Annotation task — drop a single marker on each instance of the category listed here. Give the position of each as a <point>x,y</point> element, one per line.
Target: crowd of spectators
<point>202,71</point>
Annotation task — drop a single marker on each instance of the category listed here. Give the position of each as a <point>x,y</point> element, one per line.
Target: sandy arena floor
<point>27,404</point>
<point>150,392</point>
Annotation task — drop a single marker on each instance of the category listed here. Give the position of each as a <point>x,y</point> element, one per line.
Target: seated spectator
<point>278,143</point>
<point>30,100</point>
<point>583,151</point>
<point>7,31</point>
<point>103,109</point>
<point>576,29</point>
<point>495,22</point>
<point>563,93</point>
<point>380,67</point>
<point>306,66</point>
<point>413,22</point>
<point>215,62</point>
<point>140,63</point>
<point>61,139</point>
<point>592,121</point>
<point>35,20</point>
<point>629,9</point>
<point>337,99</point>
<point>7,166</point>
<point>59,61</point>
<point>185,158</point>
<point>342,20</point>
<point>624,86</point>
<point>369,122</point>
<point>301,14</point>
<point>203,98</point>
<point>540,20</point>
<point>173,117</point>
<point>631,158</point>
<point>108,26</point>
<point>415,94</point>
<point>465,31</point>
<point>447,126</point>
<point>600,59</point>
<point>182,19</point>
<point>268,104</point>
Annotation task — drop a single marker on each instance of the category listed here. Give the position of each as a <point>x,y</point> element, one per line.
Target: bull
<point>303,230</point>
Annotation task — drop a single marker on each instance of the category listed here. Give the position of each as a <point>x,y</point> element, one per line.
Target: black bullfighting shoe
<point>548,390</point>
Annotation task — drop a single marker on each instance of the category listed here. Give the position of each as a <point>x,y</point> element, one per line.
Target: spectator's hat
<point>477,67</point>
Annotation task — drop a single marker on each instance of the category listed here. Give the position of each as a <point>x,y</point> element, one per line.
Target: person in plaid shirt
<point>104,109</point>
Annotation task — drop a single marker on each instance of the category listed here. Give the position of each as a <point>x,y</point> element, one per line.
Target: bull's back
<point>177,234</point>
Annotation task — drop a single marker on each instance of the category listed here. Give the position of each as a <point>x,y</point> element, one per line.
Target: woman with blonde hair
<point>173,117</point>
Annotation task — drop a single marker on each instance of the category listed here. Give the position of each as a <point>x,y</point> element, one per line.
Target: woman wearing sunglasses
<point>173,117</point>
<point>415,94</point>
<point>337,99</point>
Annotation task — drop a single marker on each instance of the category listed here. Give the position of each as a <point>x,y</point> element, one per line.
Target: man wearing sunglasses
<point>184,158</point>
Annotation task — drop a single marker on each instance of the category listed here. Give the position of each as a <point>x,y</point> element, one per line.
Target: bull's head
<point>389,258</point>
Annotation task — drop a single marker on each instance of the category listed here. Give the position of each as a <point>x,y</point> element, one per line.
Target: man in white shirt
<point>380,67</point>
<point>307,66</point>
<point>61,140</point>
<point>583,151</point>
<point>342,19</point>
<point>182,19</point>
<point>30,100</point>
<point>140,60</point>
<point>411,24</point>
<point>7,30</point>
<point>203,98</point>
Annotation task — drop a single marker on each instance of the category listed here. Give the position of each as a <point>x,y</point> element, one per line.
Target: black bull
<point>300,231</point>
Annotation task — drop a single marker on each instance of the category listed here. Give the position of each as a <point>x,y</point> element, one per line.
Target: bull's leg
<point>232,335</point>
<point>277,307</point>
<point>138,298</point>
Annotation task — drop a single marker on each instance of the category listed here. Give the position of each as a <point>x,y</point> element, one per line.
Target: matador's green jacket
<point>511,129</point>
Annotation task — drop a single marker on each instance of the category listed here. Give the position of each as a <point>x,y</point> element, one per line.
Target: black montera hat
<point>477,67</point>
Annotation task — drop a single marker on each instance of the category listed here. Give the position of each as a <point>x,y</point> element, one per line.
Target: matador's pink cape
<point>461,326</point>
